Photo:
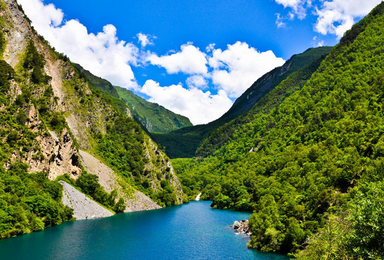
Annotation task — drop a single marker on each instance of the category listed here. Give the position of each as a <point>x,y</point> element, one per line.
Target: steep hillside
<point>155,118</point>
<point>313,163</point>
<point>184,143</point>
<point>270,80</point>
<point>97,82</point>
<point>49,111</point>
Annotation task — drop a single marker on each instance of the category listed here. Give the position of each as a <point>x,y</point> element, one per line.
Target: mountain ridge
<point>153,117</point>
<point>184,142</point>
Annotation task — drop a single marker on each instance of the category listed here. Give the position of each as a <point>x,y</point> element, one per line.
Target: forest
<point>307,159</point>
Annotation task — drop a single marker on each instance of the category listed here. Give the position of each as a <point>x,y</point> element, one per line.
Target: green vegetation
<point>151,116</point>
<point>29,202</point>
<point>34,63</point>
<point>184,143</point>
<point>308,158</point>
<point>98,83</point>
<point>123,148</point>
<point>2,43</point>
<point>29,112</point>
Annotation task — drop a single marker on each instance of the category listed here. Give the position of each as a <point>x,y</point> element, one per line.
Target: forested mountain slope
<point>155,118</point>
<point>313,163</point>
<point>49,113</point>
<point>184,142</point>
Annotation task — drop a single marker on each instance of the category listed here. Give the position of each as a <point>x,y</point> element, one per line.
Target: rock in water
<point>236,224</point>
<point>242,227</point>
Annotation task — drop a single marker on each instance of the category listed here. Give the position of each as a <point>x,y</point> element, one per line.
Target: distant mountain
<point>97,82</point>
<point>183,143</point>
<point>155,118</point>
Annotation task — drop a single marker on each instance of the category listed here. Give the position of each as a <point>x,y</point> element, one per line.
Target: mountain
<point>55,125</point>
<point>308,158</point>
<point>184,143</point>
<point>155,118</point>
<point>270,80</point>
<point>97,82</point>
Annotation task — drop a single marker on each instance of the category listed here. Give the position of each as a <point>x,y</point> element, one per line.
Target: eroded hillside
<point>49,114</point>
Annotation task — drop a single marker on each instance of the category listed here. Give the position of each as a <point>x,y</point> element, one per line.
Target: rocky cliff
<point>63,112</point>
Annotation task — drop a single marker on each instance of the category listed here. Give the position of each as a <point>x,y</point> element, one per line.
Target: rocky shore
<point>242,227</point>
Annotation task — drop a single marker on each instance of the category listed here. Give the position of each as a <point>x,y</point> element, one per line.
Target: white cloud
<point>236,68</point>
<point>200,107</point>
<point>297,7</point>
<point>103,54</point>
<point>197,81</point>
<point>210,47</point>
<point>317,42</point>
<point>144,39</point>
<point>279,21</point>
<point>338,16</point>
<point>334,16</point>
<point>190,60</point>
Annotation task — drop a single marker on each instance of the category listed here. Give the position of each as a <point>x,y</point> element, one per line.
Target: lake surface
<point>190,231</point>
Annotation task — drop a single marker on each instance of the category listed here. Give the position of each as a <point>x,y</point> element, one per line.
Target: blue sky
<point>194,57</point>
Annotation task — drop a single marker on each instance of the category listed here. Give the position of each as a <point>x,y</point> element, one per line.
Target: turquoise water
<point>190,231</point>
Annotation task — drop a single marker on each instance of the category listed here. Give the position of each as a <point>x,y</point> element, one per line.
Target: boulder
<point>236,224</point>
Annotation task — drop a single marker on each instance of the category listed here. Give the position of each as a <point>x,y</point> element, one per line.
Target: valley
<point>299,153</point>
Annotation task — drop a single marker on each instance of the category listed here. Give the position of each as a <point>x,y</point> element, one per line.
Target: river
<point>189,231</point>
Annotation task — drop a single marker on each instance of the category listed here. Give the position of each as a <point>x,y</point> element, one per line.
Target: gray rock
<point>236,224</point>
<point>83,207</point>
<point>242,227</point>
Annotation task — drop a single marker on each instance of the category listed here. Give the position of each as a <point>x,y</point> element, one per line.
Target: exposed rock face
<point>59,156</point>
<point>17,34</point>
<point>242,227</point>
<point>83,207</point>
<point>135,201</point>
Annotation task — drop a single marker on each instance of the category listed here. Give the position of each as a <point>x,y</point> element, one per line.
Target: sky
<point>194,57</point>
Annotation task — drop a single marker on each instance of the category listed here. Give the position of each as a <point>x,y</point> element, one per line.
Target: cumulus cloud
<point>236,68</point>
<point>190,60</point>
<point>231,71</point>
<point>144,39</point>
<point>103,54</point>
<point>200,107</point>
<point>338,16</point>
<point>197,81</point>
